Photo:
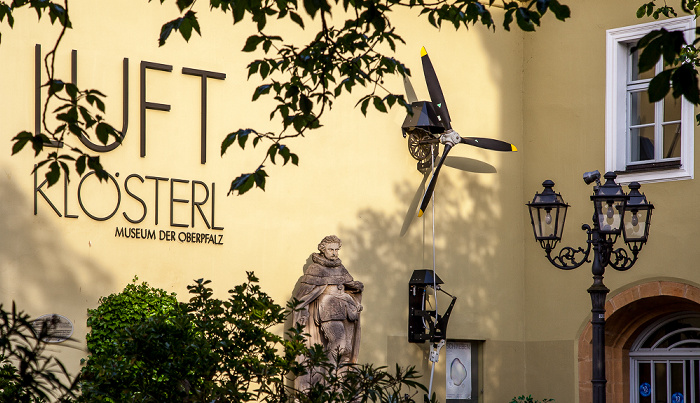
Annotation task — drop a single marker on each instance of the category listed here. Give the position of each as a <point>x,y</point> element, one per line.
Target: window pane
<point>661,389</point>
<point>644,386</point>
<point>635,75</point>
<point>672,108</point>
<point>672,140</point>
<point>694,381</point>
<point>677,390</point>
<point>642,144</point>
<point>641,111</point>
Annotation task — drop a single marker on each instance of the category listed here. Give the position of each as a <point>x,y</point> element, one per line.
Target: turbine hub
<point>450,138</point>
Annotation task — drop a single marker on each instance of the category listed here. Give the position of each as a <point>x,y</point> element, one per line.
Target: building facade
<point>568,96</point>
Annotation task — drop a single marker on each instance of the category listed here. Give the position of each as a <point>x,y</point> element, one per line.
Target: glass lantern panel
<point>609,215</point>
<point>547,221</point>
<point>561,217</point>
<point>635,225</point>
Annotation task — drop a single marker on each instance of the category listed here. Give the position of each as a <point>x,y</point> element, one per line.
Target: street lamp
<point>614,213</point>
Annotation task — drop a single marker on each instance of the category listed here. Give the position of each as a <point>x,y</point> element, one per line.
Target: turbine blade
<point>436,96</point>
<point>433,181</point>
<point>489,144</point>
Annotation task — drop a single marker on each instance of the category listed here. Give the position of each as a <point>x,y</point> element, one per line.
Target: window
<point>665,362</point>
<point>644,142</point>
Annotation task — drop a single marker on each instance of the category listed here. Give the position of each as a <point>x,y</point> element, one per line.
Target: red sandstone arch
<point>628,313</point>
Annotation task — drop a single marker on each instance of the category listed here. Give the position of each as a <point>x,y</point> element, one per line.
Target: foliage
<point>681,58</point>
<point>27,374</point>
<point>303,79</point>
<point>223,350</point>
<point>108,372</point>
<point>76,115</point>
<point>529,399</point>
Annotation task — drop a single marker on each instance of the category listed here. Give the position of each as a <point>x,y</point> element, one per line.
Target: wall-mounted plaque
<point>58,328</point>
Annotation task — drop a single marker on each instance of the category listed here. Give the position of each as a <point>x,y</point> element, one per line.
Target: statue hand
<point>356,286</point>
<point>303,317</point>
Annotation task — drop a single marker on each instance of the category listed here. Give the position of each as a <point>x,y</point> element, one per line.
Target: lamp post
<point>615,212</point>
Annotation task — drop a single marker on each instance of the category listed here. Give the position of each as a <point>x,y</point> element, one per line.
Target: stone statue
<point>329,307</point>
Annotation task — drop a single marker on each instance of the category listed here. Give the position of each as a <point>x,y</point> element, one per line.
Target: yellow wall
<point>543,92</point>
<point>355,179</point>
<point>564,131</point>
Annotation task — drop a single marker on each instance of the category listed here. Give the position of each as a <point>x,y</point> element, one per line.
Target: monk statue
<point>329,307</point>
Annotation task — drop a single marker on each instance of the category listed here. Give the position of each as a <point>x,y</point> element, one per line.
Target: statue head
<point>329,247</point>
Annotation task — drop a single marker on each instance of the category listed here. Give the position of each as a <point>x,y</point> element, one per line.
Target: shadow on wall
<point>39,270</point>
<point>466,245</point>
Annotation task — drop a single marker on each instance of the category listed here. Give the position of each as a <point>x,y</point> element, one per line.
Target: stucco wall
<point>355,179</point>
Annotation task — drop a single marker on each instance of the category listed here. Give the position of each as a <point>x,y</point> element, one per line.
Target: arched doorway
<point>665,361</point>
<point>628,314</point>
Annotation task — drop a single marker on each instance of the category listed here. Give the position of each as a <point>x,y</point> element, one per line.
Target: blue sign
<point>677,397</point>
<point>645,389</point>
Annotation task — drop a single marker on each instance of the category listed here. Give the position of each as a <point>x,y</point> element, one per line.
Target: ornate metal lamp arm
<point>567,258</point>
<point>620,259</point>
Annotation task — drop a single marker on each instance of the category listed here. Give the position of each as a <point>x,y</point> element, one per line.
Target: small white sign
<point>58,327</point>
<point>459,370</point>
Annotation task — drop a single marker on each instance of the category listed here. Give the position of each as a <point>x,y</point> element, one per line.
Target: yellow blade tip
<point>513,148</point>
<point>423,52</point>
<point>420,213</point>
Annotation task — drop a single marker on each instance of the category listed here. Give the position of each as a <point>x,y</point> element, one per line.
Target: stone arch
<point>627,314</point>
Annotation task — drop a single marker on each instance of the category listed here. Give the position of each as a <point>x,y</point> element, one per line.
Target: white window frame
<point>616,115</point>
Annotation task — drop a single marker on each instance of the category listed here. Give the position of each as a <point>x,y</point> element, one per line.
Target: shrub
<point>211,350</point>
<point>113,367</point>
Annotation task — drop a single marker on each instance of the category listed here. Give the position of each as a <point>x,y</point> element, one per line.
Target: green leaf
<point>522,17</point>
<point>185,29</point>
<point>38,142</point>
<point>20,141</point>
<point>80,164</point>
<point>53,173</point>
<point>103,131</point>
<point>305,104</point>
<point>296,18</point>
<point>55,86</point>
<point>659,86</point>
<point>379,104</point>
<point>167,29</point>
<point>542,6</point>
<point>261,90</point>
<point>242,184</point>
<point>183,4</point>
<point>685,82</point>
<point>72,91</point>
<point>272,152</point>
<point>650,55</point>
<point>252,43</point>
<point>260,176</point>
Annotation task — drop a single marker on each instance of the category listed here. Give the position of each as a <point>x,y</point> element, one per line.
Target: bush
<point>114,369</point>
<point>211,350</point>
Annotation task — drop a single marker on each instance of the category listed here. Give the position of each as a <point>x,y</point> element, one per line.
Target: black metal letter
<point>149,105</point>
<point>199,204</point>
<point>156,178</point>
<point>173,200</point>
<point>140,200</point>
<point>204,74</point>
